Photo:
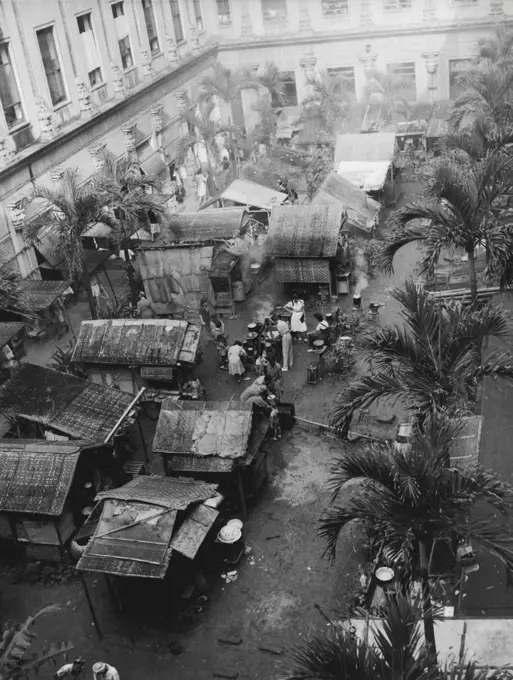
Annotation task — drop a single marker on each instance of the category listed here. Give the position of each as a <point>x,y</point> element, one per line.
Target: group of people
<point>265,393</point>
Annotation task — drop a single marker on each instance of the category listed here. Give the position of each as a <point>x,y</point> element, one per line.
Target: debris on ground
<point>44,574</point>
<point>277,651</point>
<point>247,550</point>
<point>230,576</point>
<point>228,675</point>
<point>271,538</point>
<point>231,640</point>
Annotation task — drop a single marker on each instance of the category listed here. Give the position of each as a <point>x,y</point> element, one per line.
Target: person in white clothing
<point>297,321</point>
<point>102,671</point>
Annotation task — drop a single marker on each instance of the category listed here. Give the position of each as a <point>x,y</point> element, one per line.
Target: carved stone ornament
<point>497,9</point>
<point>97,155</point>
<point>128,131</point>
<point>305,22</point>
<point>365,13</point>
<point>147,65</point>
<point>44,116</point>
<point>195,45</point>
<point>156,118</point>
<point>429,10</point>
<point>368,59</point>
<point>308,65</point>
<point>118,81</point>
<point>181,97</point>
<point>246,27</point>
<point>431,61</point>
<point>172,52</point>
<point>17,213</point>
<point>7,150</point>
<point>84,97</point>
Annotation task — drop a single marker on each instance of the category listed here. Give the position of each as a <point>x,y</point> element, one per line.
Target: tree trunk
<point>472,272</point>
<point>429,626</point>
<point>86,282</point>
<point>132,283</point>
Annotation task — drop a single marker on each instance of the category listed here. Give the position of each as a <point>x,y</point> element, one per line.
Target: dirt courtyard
<point>271,602</point>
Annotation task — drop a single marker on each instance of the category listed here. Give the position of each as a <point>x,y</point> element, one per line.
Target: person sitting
<point>274,417</point>
<point>257,389</point>
<point>216,326</point>
<point>321,331</point>
<point>262,363</point>
<point>222,352</point>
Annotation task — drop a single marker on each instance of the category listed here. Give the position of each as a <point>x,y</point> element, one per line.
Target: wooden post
<point>91,608</point>
<point>141,433</point>
<point>241,493</point>
<point>109,282</point>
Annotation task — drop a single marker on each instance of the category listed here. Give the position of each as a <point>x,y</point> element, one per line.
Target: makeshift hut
<point>197,257</point>
<point>40,485</point>
<point>362,210</point>
<point>365,160</point>
<point>149,533</point>
<point>47,403</point>
<point>259,200</point>
<point>215,441</point>
<point>129,353</point>
<point>45,299</point>
<point>306,243</point>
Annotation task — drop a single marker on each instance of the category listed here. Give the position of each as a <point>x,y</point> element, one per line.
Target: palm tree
<point>487,93</point>
<point>270,78</point>
<point>17,661</point>
<point>497,48</point>
<point>429,361</point>
<point>133,200</point>
<point>73,208</point>
<point>390,649</point>
<point>388,86</point>
<point>460,208</point>
<point>329,101</point>
<point>408,500</point>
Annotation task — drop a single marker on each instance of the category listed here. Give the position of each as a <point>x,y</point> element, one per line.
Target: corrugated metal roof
<point>305,231</point>
<point>379,146</point>
<point>251,194</point>
<point>362,210</point>
<point>140,342</point>
<point>39,295</point>
<point>167,492</point>
<point>36,479</point>
<point>304,270</point>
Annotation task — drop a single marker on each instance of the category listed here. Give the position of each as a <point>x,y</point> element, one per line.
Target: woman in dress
<point>286,344</point>
<point>297,322</point>
<point>275,377</point>
<point>235,356</point>
<point>216,327</point>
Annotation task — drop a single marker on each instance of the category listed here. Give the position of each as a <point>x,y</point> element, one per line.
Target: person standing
<point>202,187</point>
<point>297,321</point>
<point>286,344</point>
<point>275,377</point>
<point>204,312</point>
<point>235,356</point>
<point>144,308</point>
<point>216,326</point>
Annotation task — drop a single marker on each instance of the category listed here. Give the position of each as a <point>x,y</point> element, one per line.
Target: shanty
<point>362,210</point>
<point>40,495</point>
<point>122,352</point>
<point>151,529</point>
<point>44,402</point>
<point>199,256</point>
<point>254,196</point>
<point>365,159</point>
<point>218,442</point>
<point>12,334</point>
<point>307,243</point>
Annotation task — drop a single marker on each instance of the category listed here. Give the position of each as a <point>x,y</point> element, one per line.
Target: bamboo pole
<point>125,413</point>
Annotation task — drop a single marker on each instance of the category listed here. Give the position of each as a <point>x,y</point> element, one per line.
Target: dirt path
<point>271,603</point>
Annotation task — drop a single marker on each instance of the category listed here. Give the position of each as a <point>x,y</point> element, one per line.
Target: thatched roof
<point>70,405</point>
<point>437,128</point>
<point>39,295</point>
<point>140,342</point>
<point>177,432</point>
<point>35,478</point>
<point>378,146</point>
<point>9,330</point>
<point>302,270</point>
<point>305,230</point>
<point>202,227</point>
<point>362,210</point>
<point>251,194</point>
<point>139,526</point>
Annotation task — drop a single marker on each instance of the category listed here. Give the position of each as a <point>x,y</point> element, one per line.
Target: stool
<point>373,314</point>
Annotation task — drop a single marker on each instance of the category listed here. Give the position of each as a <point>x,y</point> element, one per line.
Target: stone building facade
<point>77,76</point>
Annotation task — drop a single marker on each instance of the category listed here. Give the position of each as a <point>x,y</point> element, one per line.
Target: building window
<point>151,26</point>
<point>332,7</point>
<point>177,20</point>
<point>405,84</point>
<point>223,12</point>
<point>288,79</point>
<point>90,49</point>
<point>274,9</point>
<point>51,65</point>
<point>458,69</point>
<point>345,74</point>
<point>198,16</point>
<point>123,35</point>
<point>397,4</point>
<point>9,92</point>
